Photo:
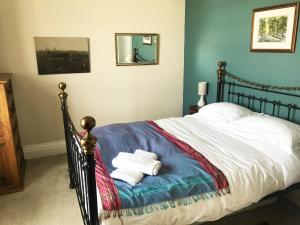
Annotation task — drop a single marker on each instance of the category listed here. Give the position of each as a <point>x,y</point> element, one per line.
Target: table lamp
<point>202,91</point>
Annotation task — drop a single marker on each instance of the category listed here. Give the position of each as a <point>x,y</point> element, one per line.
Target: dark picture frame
<point>62,55</point>
<point>274,28</point>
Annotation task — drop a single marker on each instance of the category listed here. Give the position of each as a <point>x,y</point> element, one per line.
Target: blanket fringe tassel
<point>105,214</point>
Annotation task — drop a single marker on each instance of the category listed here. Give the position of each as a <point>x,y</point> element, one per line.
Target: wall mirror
<point>136,49</point>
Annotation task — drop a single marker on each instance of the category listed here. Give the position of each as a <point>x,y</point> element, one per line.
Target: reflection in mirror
<point>136,49</point>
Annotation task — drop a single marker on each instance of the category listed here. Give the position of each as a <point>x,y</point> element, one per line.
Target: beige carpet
<point>47,200</point>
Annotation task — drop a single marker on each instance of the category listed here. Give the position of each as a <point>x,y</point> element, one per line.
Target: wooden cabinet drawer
<point>11,151</point>
<point>4,172</point>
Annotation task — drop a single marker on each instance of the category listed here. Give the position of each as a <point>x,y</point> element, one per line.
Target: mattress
<point>254,169</point>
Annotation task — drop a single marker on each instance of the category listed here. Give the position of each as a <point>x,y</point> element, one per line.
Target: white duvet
<point>253,167</point>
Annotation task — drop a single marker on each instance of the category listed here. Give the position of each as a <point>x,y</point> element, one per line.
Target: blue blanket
<point>180,176</point>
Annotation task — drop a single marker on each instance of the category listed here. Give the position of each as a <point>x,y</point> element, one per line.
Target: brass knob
<point>62,86</point>
<point>88,141</point>
<point>88,123</point>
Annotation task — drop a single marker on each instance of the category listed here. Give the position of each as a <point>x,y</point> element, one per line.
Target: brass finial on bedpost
<point>64,108</point>
<point>88,144</point>
<point>221,69</point>
<point>88,141</point>
<point>62,95</point>
<point>220,88</point>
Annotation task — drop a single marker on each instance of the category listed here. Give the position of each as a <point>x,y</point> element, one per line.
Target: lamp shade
<point>202,88</point>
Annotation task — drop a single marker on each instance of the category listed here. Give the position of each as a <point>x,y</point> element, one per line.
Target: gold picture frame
<point>130,49</point>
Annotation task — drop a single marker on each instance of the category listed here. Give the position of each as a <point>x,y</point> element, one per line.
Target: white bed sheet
<point>253,168</point>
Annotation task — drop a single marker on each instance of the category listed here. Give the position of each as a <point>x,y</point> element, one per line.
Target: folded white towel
<point>136,163</point>
<point>131,177</point>
<point>145,154</point>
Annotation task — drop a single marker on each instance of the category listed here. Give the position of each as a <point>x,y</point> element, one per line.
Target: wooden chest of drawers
<point>11,152</point>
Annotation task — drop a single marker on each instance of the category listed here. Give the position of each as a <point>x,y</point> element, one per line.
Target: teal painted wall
<point>146,51</point>
<point>220,30</point>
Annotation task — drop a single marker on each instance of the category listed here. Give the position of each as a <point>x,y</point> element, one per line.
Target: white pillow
<point>281,132</point>
<point>223,111</point>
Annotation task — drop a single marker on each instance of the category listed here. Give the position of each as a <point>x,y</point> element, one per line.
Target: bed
<point>240,163</point>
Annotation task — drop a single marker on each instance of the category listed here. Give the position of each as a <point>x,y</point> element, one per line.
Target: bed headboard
<point>279,101</point>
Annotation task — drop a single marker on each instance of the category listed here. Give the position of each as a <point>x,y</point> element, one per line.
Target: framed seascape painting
<point>60,55</point>
<point>274,29</point>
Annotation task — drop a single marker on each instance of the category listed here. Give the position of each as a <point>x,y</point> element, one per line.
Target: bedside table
<point>193,109</point>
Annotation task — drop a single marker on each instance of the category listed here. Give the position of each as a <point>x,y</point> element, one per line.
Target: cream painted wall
<point>70,43</point>
<point>109,93</point>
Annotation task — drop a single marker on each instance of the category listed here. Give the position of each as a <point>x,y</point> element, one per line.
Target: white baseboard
<point>44,149</point>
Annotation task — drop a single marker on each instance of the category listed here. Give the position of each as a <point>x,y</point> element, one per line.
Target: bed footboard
<point>81,162</point>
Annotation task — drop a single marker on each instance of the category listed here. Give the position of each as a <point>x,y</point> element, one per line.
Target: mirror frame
<point>137,64</point>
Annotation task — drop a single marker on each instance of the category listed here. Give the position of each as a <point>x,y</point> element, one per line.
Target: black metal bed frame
<point>235,87</point>
<point>227,84</point>
<point>81,146</point>
<point>81,162</point>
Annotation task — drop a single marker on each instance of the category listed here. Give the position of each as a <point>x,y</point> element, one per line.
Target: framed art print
<point>62,55</point>
<point>274,29</point>
<point>147,40</point>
